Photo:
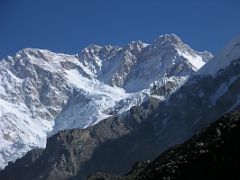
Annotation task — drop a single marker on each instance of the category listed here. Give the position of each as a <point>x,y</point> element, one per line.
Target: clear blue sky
<point>69,25</point>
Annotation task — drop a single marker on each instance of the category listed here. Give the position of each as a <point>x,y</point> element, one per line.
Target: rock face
<point>213,153</point>
<point>42,93</point>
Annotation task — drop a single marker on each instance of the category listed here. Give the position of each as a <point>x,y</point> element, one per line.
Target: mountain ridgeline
<point>165,107</point>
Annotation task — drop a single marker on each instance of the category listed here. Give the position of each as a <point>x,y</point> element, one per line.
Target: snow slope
<point>224,58</point>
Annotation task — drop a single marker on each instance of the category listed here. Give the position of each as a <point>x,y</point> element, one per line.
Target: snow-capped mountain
<point>114,144</point>
<point>42,92</point>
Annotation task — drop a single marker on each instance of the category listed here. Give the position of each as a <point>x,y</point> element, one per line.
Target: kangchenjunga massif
<point>108,107</point>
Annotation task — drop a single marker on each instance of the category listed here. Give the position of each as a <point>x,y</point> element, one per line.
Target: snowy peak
<point>168,57</point>
<point>173,44</point>
<point>230,53</point>
<point>167,39</point>
<point>170,41</point>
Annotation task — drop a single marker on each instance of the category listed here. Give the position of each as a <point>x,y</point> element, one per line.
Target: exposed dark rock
<point>212,154</point>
